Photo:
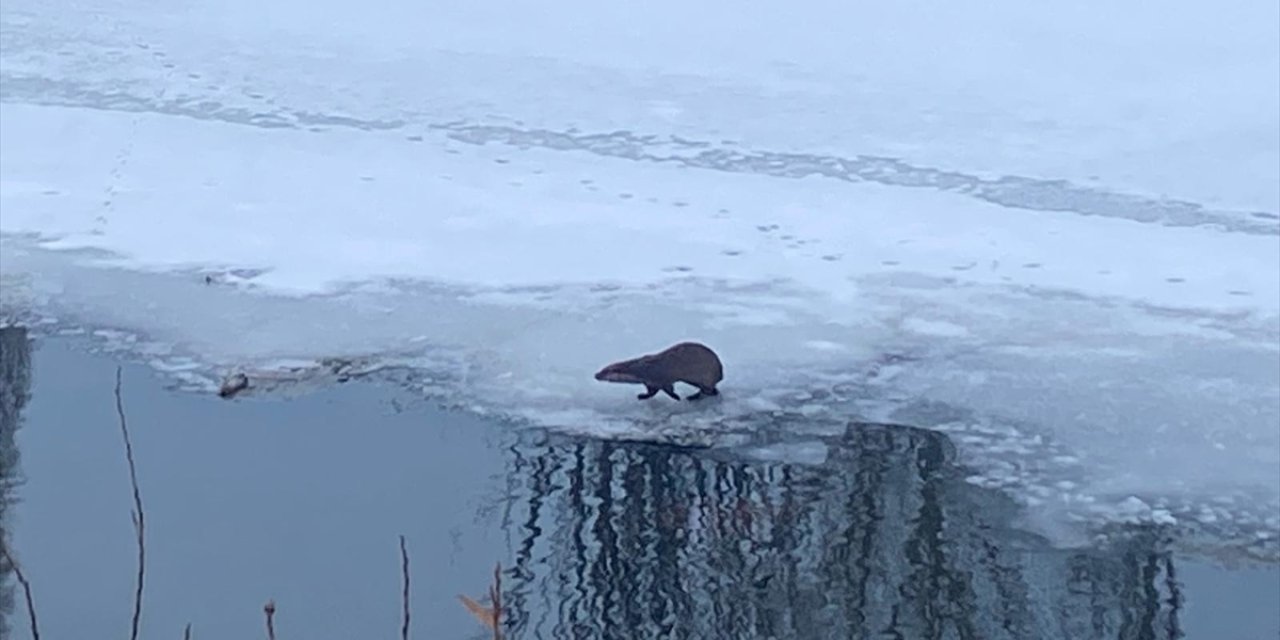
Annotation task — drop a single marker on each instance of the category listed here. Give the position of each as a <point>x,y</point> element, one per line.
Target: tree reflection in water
<point>15,391</point>
<point>882,540</point>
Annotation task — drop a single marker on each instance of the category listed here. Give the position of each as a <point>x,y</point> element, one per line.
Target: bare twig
<point>186,633</point>
<point>26,589</point>
<point>495,596</point>
<point>404,570</point>
<point>139,522</point>
<point>490,616</point>
<point>270,610</point>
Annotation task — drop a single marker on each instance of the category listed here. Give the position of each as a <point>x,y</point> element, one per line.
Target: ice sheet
<point>1052,233</point>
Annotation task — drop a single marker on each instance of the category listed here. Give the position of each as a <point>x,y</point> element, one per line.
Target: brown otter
<point>688,362</point>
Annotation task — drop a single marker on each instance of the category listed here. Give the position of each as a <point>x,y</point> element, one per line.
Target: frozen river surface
<point>1050,234</point>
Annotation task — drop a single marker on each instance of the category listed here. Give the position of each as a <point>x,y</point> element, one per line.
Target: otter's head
<point>621,372</point>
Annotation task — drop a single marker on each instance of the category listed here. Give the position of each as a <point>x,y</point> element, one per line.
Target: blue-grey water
<point>302,499</point>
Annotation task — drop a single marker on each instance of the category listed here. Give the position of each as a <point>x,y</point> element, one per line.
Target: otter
<point>688,362</point>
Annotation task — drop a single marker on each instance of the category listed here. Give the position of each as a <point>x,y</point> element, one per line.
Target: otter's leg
<point>649,392</point>
<point>671,391</point>
<point>704,392</point>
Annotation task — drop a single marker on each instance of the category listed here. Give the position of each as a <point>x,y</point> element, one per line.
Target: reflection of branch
<point>1176,599</point>
<point>404,570</point>
<point>26,588</point>
<point>138,516</point>
<point>270,610</point>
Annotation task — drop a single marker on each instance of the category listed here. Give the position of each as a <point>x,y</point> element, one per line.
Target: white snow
<point>1050,231</point>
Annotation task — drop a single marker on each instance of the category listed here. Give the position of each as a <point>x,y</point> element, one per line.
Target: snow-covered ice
<point>1052,233</point>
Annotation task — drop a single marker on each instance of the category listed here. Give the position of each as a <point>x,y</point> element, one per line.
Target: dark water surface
<point>302,500</point>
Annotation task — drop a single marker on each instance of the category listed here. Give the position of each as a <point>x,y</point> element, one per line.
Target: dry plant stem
<point>26,589</point>
<point>270,610</point>
<point>139,522</point>
<point>186,633</point>
<point>404,570</point>
<point>495,595</point>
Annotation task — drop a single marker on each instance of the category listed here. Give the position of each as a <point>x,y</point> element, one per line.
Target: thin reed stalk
<point>139,517</point>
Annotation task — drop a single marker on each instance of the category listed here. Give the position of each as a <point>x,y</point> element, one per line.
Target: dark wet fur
<point>688,362</point>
